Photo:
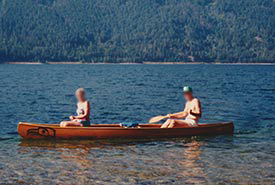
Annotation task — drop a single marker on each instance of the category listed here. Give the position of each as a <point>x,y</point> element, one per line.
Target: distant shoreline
<point>148,63</point>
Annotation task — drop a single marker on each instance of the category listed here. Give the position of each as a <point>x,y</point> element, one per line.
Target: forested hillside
<point>137,30</point>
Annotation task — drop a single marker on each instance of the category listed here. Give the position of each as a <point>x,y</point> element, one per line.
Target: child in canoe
<point>83,111</point>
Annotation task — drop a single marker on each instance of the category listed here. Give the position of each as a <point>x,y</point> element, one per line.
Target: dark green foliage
<point>137,30</point>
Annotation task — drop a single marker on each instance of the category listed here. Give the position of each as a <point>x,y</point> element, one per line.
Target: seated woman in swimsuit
<point>83,111</point>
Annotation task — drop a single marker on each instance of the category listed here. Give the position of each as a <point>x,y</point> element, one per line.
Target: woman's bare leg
<point>179,124</point>
<point>172,123</point>
<point>70,123</point>
<point>62,123</point>
<point>166,124</point>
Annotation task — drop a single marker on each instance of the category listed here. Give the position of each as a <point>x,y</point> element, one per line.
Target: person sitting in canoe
<point>83,111</point>
<point>191,113</point>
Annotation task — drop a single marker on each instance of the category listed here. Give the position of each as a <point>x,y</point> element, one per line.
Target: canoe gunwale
<point>114,131</point>
<point>117,127</point>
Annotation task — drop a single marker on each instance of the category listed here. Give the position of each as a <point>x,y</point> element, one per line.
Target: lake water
<point>244,94</point>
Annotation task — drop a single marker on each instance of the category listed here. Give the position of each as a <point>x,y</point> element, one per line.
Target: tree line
<point>137,30</point>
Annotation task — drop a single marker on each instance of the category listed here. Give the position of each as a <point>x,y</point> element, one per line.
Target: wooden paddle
<point>157,119</point>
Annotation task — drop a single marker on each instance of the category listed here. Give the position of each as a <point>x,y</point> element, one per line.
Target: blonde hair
<point>80,91</point>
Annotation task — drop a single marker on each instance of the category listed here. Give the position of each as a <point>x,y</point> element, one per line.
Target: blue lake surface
<point>244,94</point>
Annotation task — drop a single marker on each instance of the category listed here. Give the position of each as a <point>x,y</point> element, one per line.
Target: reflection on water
<point>193,160</point>
<point>190,163</point>
<point>51,144</point>
<point>126,159</point>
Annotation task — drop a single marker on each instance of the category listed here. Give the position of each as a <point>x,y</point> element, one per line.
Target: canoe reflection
<point>52,144</point>
<point>93,143</point>
<point>172,160</point>
<point>191,165</point>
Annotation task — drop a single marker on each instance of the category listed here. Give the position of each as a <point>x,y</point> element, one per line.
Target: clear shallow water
<point>45,93</point>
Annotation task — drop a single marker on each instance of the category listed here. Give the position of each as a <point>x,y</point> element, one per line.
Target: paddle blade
<point>156,119</point>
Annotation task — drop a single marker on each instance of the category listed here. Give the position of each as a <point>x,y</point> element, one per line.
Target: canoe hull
<point>105,131</point>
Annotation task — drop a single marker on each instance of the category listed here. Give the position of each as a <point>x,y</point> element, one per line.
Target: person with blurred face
<point>83,111</point>
<point>191,113</point>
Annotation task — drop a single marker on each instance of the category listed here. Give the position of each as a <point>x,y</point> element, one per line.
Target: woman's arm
<point>86,112</point>
<point>179,115</point>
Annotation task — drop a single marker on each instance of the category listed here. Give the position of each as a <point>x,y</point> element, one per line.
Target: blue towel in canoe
<point>129,124</point>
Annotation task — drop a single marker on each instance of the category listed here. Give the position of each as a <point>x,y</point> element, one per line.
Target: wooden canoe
<point>109,131</point>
